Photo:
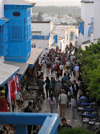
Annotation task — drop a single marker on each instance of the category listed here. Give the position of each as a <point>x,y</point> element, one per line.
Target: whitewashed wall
<point>96,19</point>
<point>46,29</point>
<point>67,32</point>
<point>1,8</point>
<point>41,44</point>
<point>87,12</point>
<point>43,27</point>
<point>62,43</point>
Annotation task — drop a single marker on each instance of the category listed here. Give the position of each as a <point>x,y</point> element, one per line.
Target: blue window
<point>71,36</point>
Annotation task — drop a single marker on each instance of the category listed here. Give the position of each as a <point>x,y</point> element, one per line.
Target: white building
<point>96,21</point>
<point>90,28</point>
<point>42,36</point>
<point>66,35</point>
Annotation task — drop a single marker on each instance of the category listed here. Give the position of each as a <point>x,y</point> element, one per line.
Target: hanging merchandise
<point>3,102</point>
<point>16,84</point>
<point>13,88</point>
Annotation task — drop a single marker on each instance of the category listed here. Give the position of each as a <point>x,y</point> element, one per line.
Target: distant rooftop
<point>87,1</point>
<point>40,21</point>
<point>19,2</point>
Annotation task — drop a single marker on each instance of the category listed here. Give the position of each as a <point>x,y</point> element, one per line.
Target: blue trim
<point>4,39</point>
<point>49,122</point>
<point>81,28</point>
<point>89,31</point>
<point>3,21</point>
<point>18,6</point>
<point>55,37</point>
<point>1,85</point>
<point>41,37</point>
<point>76,37</point>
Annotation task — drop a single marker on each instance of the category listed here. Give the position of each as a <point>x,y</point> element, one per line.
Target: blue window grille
<point>49,122</point>
<point>4,39</point>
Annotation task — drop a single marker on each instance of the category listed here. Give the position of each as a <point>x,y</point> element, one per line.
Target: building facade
<point>16,54</point>
<point>66,35</point>
<point>89,27</point>
<point>42,35</point>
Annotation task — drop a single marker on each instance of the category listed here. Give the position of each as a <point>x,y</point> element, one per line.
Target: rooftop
<point>87,1</point>
<point>19,2</point>
<point>40,21</point>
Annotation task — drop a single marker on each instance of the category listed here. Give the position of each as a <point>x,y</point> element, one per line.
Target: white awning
<point>35,54</point>
<point>23,67</point>
<point>6,73</point>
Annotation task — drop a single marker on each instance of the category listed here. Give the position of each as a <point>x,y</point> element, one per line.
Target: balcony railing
<point>49,122</point>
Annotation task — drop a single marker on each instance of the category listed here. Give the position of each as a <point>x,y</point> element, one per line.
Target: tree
<point>90,60</point>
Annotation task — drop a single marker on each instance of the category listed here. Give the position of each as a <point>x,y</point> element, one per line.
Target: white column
<point>1,8</point>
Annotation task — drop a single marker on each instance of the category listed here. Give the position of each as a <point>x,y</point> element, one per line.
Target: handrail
<point>49,122</point>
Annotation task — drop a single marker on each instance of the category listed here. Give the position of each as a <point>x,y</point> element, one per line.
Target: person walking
<point>64,78</point>
<point>61,68</point>
<point>47,81</point>
<point>62,102</point>
<point>57,90</point>
<point>40,83</point>
<point>75,88</point>
<point>52,103</point>
<point>73,104</point>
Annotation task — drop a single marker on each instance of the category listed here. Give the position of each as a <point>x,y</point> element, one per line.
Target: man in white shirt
<point>63,101</point>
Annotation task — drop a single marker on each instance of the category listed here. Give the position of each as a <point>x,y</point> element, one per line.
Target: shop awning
<point>35,54</point>
<point>6,73</point>
<point>3,21</point>
<point>23,67</point>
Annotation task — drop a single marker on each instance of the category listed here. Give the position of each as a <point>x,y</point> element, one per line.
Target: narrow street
<point>74,122</point>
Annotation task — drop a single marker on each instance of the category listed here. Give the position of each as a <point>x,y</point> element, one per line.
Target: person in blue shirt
<point>64,78</point>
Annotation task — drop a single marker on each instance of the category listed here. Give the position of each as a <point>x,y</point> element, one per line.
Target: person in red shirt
<point>64,60</point>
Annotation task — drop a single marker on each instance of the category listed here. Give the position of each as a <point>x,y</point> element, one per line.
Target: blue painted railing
<point>49,122</point>
<point>41,37</point>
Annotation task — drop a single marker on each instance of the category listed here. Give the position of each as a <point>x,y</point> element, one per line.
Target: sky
<point>57,2</point>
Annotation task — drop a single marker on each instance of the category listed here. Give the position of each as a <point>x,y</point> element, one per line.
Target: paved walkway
<point>74,122</point>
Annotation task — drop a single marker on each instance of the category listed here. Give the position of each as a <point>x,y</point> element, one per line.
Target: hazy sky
<point>57,2</point>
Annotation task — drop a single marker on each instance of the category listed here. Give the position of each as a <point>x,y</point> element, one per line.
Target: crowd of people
<point>56,84</point>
